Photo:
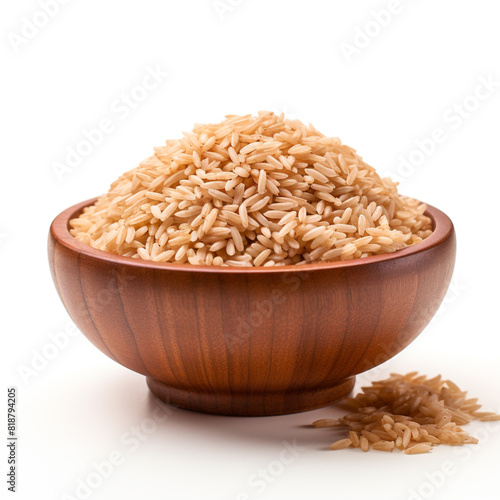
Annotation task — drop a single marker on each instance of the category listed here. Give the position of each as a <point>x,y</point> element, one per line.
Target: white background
<point>412,75</point>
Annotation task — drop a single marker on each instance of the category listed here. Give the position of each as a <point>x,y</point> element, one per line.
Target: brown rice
<point>252,191</point>
<point>408,412</point>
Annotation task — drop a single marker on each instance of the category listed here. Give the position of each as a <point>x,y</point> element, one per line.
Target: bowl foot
<point>252,404</point>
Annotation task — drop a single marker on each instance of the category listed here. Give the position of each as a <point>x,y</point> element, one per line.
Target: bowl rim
<point>59,230</point>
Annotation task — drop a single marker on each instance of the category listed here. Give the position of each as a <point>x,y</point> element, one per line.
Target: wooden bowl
<point>251,341</point>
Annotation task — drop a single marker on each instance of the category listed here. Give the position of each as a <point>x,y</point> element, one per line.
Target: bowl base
<point>253,404</point>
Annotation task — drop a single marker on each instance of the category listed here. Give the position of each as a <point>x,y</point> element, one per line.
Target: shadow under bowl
<point>251,341</point>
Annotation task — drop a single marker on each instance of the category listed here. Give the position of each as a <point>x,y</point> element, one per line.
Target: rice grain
<point>254,176</point>
<point>408,412</point>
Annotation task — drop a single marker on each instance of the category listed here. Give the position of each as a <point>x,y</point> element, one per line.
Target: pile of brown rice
<point>252,191</point>
<point>408,412</point>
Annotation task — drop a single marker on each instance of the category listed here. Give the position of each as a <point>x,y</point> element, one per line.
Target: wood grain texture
<point>259,341</point>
